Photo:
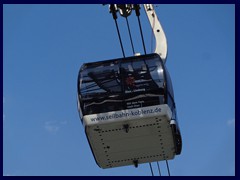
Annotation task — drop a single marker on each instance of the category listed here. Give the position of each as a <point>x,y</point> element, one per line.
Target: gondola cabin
<point>128,111</point>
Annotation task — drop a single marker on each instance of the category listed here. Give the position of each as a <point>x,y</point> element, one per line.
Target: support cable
<point>168,168</point>
<point>139,22</point>
<point>129,32</point>
<point>113,10</point>
<point>159,169</point>
<point>137,10</point>
<point>151,168</point>
<point>119,37</point>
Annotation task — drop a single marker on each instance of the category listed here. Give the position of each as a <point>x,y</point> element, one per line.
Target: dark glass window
<point>121,84</point>
<point>143,81</point>
<point>169,83</point>
<point>100,78</point>
<point>170,94</point>
<point>145,74</point>
<point>101,87</point>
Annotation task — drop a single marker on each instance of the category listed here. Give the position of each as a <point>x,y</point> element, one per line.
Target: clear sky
<point>43,49</point>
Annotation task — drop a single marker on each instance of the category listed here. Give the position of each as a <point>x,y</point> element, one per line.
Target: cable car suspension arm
<point>161,41</point>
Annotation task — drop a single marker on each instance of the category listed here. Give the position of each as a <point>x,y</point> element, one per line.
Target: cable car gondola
<point>128,111</point>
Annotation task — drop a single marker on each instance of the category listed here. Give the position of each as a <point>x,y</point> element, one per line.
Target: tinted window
<point>145,74</point>
<point>143,81</point>
<point>169,83</point>
<point>100,87</point>
<point>170,95</point>
<point>122,83</point>
<point>100,79</point>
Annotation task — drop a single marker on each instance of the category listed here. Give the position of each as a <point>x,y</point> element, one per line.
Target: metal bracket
<point>135,162</point>
<point>126,127</point>
<point>161,41</point>
<point>125,11</point>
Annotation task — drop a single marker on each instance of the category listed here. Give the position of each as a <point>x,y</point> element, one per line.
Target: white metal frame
<point>161,41</point>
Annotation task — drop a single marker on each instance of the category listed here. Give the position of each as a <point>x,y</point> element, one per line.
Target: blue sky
<point>43,49</point>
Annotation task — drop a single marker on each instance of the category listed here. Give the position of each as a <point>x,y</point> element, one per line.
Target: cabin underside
<point>132,141</point>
